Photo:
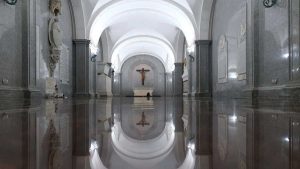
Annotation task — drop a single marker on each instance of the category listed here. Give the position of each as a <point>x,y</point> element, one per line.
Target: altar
<point>142,91</point>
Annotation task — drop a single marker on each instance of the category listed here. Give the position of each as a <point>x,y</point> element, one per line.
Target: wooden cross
<point>143,121</point>
<point>143,74</point>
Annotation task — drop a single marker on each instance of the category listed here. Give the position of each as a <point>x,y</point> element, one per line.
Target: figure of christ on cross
<point>143,74</point>
<point>143,121</point>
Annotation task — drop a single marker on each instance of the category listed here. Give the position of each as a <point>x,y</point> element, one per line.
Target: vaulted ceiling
<point>159,28</point>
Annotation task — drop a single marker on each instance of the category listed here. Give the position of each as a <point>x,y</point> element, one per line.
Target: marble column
<point>92,78</point>
<point>117,84</point>
<point>190,74</point>
<point>203,69</point>
<point>109,82</point>
<point>169,84</point>
<point>177,80</point>
<point>82,80</point>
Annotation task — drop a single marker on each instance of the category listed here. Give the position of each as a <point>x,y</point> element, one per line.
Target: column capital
<point>81,41</point>
<point>178,64</point>
<point>203,42</point>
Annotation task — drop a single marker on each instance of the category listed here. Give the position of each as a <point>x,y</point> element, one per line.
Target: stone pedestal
<point>51,87</point>
<point>142,91</point>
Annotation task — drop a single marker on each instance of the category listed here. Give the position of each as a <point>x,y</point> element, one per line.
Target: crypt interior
<point>149,84</point>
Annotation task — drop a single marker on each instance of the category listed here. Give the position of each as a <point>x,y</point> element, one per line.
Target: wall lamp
<point>192,58</point>
<point>269,3</point>
<point>93,58</point>
<point>11,2</point>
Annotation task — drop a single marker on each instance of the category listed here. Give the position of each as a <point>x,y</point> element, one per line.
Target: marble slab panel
<point>64,71</point>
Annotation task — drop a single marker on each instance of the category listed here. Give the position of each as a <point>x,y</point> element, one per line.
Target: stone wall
<point>255,49</point>
<point>229,53</point>
<point>131,79</point>
<point>16,49</point>
<point>24,48</point>
<point>11,45</point>
<point>63,71</point>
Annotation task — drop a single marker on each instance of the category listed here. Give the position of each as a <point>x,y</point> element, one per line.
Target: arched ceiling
<point>143,27</point>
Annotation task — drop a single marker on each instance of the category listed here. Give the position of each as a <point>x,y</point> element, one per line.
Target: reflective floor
<point>154,133</point>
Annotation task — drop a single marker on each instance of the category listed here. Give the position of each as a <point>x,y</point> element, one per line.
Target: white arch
<point>170,10</point>
<point>148,45</point>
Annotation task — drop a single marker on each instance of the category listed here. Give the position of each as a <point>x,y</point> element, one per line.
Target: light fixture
<point>93,58</point>
<point>192,58</point>
<point>11,2</point>
<point>269,3</point>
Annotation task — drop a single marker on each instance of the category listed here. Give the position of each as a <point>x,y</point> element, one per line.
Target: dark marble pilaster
<point>190,75</point>
<point>203,69</point>
<point>177,80</point>
<point>117,84</point>
<point>81,54</point>
<point>169,84</point>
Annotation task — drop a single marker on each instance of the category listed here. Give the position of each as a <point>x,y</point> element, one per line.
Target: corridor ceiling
<point>153,27</point>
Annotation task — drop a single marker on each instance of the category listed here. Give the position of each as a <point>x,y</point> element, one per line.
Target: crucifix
<point>143,74</point>
<point>143,121</point>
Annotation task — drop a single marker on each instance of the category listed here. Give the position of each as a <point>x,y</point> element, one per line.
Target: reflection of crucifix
<point>143,75</point>
<point>143,121</point>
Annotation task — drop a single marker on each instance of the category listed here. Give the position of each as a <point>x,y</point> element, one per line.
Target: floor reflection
<point>156,133</point>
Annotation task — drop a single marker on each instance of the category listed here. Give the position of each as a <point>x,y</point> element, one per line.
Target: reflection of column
<point>177,79</point>
<point>203,72</point>
<point>81,69</point>
<point>81,134</point>
<point>81,137</point>
<point>178,113</point>
<point>204,134</point>
<point>29,140</point>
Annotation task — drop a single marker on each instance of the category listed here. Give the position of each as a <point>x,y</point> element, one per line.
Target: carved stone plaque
<point>223,60</point>
<point>242,44</point>
<point>64,74</point>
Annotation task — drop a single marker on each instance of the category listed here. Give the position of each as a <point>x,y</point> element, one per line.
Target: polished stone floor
<point>154,133</point>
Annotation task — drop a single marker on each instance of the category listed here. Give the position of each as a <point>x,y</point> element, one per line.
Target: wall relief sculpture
<point>55,35</point>
<point>55,7</point>
<point>55,38</point>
